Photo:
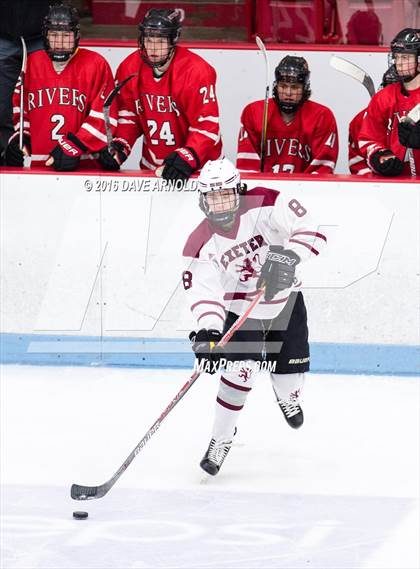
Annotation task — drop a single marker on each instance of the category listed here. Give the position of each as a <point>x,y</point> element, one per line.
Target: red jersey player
<point>392,147</point>
<point>301,134</point>
<point>171,103</point>
<point>64,91</point>
<point>248,239</point>
<point>357,163</point>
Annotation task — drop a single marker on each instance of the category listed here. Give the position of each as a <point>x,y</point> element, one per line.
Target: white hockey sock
<point>233,390</point>
<point>289,385</point>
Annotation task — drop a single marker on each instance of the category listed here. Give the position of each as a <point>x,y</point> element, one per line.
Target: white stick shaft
<point>262,49</point>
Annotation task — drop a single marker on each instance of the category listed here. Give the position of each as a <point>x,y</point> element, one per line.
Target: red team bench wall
<point>91,270</point>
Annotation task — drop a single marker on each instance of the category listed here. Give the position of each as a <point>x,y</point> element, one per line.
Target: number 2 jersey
<point>308,144</point>
<point>70,101</point>
<point>176,110</point>
<point>222,268</point>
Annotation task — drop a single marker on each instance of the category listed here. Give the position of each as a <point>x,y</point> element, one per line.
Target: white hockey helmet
<point>217,176</point>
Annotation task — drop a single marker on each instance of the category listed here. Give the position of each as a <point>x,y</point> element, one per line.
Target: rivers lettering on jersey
<point>224,266</point>
<point>179,109</point>
<point>309,143</point>
<point>380,126</point>
<point>71,101</point>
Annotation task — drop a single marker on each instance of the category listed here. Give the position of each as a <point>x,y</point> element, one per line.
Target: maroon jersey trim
<point>229,405</point>
<point>233,385</point>
<point>208,314</point>
<point>249,297</point>
<point>314,251</point>
<point>314,233</point>
<point>206,302</point>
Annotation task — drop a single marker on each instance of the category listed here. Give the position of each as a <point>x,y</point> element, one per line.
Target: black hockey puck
<point>80,515</point>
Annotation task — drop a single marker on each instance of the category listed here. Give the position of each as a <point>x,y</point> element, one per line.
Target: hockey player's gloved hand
<point>120,149</point>
<point>204,346</point>
<point>179,165</point>
<point>14,155</point>
<point>392,166</point>
<point>66,155</point>
<point>409,134</point>
<point>278,271</point>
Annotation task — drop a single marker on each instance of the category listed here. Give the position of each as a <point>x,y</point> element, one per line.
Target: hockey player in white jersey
<point>248,239</point>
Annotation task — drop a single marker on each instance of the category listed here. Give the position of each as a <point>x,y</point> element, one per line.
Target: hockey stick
<point>262,49</point>
<point>107,106</point>
<point>22,79</point>
<point>352,70</point>
<point>79,492</point>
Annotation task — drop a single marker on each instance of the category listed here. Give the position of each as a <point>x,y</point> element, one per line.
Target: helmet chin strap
<point>407,78</point>
<point>288,108</point>
<point>223,220</point>
<point>61,57</point>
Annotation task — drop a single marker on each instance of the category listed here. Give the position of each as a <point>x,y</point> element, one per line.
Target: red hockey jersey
<point>380,126</point>
<point>178,109</point>
<point>357,162</point>
<point>308,144</point>
<point>71,101</point>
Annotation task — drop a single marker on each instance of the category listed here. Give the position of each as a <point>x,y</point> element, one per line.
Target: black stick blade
<point>78,492</point>
<point>116,90</point>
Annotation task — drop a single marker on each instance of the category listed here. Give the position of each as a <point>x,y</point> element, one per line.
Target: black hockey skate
<point>292,411</point>
<point>215,455</point>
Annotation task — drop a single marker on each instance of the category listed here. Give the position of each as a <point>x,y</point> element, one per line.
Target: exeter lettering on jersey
<point>62,96</point>
<point>242,249</point>
<point>157,104</point>
<point>289,146</point>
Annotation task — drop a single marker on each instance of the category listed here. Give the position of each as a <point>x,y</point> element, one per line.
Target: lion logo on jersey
<point>245,374</point>
<point>248,270</point>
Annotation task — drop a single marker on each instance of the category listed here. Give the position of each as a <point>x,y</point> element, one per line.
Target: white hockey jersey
<point>224,266</point>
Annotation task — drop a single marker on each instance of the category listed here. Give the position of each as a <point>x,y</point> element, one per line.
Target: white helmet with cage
<point>219,184</point>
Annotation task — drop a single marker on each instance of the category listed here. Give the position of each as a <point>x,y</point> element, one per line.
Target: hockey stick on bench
<point>107,106</point>
<point>352,70</point>
<point>79,492</point>
<point>21,103</point>
<point>262,49</point>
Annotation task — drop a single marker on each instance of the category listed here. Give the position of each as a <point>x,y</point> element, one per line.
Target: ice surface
<point>339,493</point>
